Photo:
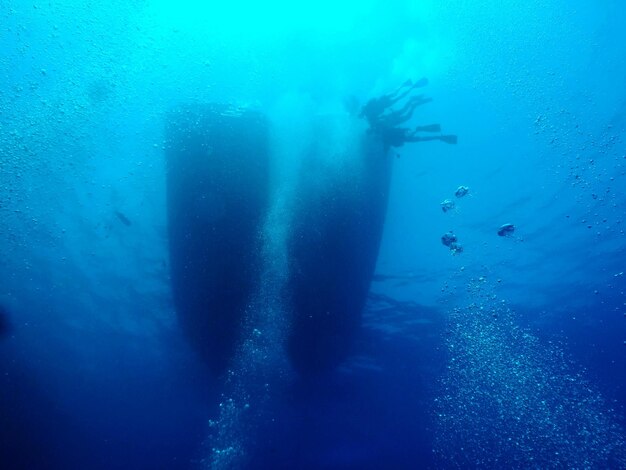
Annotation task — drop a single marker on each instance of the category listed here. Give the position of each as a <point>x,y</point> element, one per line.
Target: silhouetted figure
<point>448,139</point>
<point>398,136</point>
<point>428,128</point>
<point>384,120</point>
<point>395,118</point>
<point>374,108</point>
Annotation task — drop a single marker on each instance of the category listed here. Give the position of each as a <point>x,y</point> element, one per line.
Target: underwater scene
<point>312,235</point>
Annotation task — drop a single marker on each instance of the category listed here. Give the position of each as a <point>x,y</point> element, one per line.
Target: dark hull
<point>333,247</point>
<point>217,196</point>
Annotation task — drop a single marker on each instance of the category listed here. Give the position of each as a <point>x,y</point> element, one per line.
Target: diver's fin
<point>422,82</point>
<point>428,128</point>
<point>448,139</point>
<point>420,100</point>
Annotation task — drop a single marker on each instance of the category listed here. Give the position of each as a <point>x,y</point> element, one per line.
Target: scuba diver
<point>383,120</point>
<point>395,118</point>
<point>448,139</point>
<point>398,136</point>
<point>374,108</point>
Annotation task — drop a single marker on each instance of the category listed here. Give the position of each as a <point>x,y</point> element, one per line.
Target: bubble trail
<point>508,400</point>
<point>259,369</point>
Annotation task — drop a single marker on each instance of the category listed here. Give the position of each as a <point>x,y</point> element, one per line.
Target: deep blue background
<point>94,370</point>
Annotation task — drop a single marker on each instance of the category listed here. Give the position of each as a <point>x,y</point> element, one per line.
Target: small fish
<point>123,218</point>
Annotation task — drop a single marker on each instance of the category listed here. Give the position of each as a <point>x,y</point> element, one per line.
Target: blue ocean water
<point>508,354</point>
